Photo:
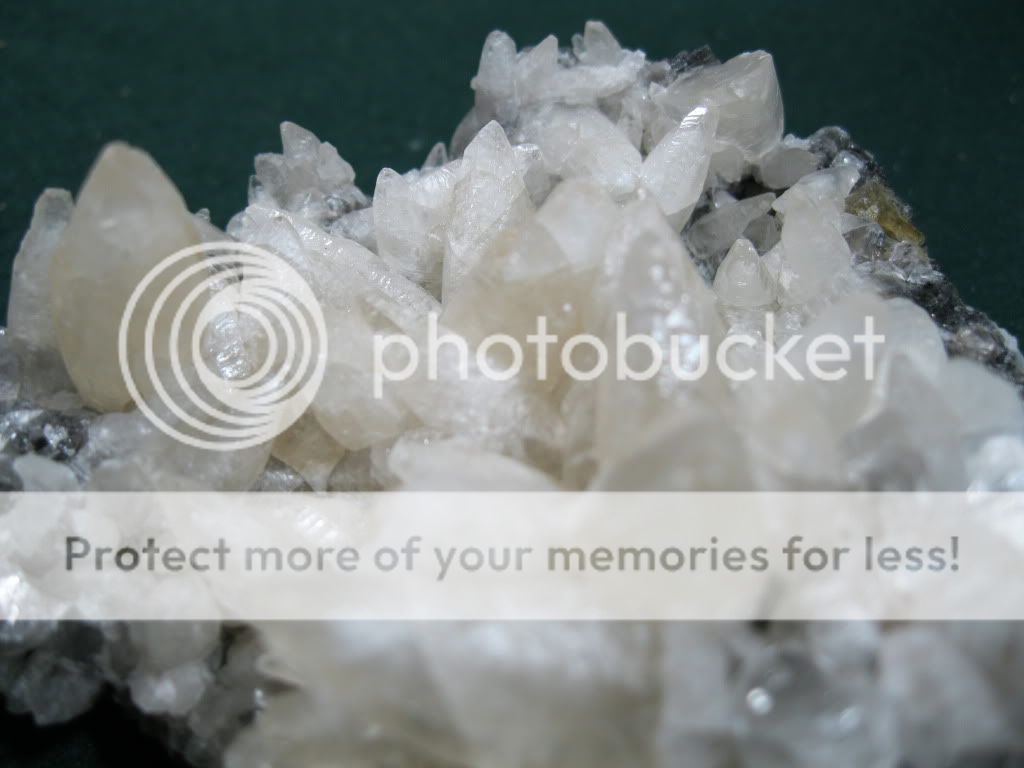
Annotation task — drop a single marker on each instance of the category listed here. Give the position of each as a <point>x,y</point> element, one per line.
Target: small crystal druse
<point>586,182</point>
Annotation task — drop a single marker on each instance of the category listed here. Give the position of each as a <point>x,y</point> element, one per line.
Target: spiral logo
<point>222,345</point>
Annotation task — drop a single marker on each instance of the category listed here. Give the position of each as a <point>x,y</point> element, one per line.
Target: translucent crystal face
<point>586,183</point>
<point>128,217</point>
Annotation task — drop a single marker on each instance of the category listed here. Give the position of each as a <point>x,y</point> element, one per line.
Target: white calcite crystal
<point>674,171</point>
<point>309,178</point>
<point>411,213</point>
<point>29,314</point>
<point>742,279</point>
<point>786,163</point>
<point>490,198</point>
<point>744,91</point>
<point>585,183</point>
<point>128,218</point>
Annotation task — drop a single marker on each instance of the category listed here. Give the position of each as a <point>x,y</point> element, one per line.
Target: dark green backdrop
<point>936,90</point>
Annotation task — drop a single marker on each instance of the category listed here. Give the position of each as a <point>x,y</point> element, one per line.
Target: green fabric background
<point>936,90</point>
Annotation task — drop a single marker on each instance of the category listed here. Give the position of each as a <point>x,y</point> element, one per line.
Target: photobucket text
<point>633,357</point>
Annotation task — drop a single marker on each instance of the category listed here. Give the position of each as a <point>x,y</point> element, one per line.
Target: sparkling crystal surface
<point>586,181</point>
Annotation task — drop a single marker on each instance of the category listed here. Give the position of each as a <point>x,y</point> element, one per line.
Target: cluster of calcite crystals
<point>585,182</point>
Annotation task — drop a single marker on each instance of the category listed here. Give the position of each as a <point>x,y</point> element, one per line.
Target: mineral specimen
<point>585,182</point>
<point>127,218</point>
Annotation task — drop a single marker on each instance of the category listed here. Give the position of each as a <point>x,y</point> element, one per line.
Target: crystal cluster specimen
<point>585,182</point>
